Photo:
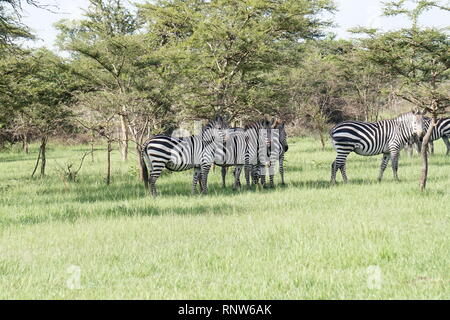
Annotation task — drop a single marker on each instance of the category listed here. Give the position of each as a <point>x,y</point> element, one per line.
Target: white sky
<point>351,13</point>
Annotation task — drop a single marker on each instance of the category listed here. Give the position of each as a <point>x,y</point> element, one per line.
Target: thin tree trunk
<point>424,152</point>
<point>140,163</point>
<point>25,143</point>
<point>43,157</point>
<point>37,163</point>
<point>108,174</point>
<point>322,139</point>
<point>92,146</point>
<point>124,138</point>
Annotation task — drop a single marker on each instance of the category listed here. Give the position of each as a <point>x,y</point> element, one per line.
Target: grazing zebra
<point>232,154</point>
<point>179,154</point>
<point>284,147</point>
<point>440,130</point>
<point>258,137</point>
<point>276,152</point>
<point>368,139</point>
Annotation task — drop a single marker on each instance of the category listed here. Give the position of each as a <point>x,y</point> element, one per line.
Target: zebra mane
<point>409,113</point>
<point>260,124</point>
<point>217,123</point>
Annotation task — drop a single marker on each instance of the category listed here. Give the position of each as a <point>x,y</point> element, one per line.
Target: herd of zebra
<point>260,145</point>
<point>257,148</point>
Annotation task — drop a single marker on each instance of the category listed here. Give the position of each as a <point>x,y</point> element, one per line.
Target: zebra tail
<point>146,164</point>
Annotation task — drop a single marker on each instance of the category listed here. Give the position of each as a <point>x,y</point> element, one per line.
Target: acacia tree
<point>97,112</point>
<point>226,48</point>
<point>123,66</point>
<point>36,90</point>
<point>102,42</point>
<point>420,58</point>
<point>11,28</point>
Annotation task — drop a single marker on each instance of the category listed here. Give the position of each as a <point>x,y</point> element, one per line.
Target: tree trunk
<point>37,163</point>
<point>25,143</point>
<point>124,138</point>
<point>92,145</point>
<point>43,157</point>
<point>108,173</point>
<point>424,152</point>
<point>140,162</point>
<point>322,139</point>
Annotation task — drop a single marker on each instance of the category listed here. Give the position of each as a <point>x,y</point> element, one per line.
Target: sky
<point>351,13</point>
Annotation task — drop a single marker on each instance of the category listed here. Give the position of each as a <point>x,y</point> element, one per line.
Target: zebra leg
<point>224,174</point>
<point>282,170</point>
<point>447,144</point>
<point>152,182</point>
<point>339,163</point>
<point>344,173</point>
<point>394,157</point>
<point>204,178</point>
<point>247,171</point>
<point>333,172</point>
<point>384,163</point>
<point>431,143</point>
<point>255,174</point>
<point>271,175</point>
<point>237,173</point>
<point>259,173</point>
<point>196,178</point>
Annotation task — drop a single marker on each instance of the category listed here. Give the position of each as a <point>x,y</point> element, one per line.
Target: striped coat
<point>385,137</point>
<point>178,154</point>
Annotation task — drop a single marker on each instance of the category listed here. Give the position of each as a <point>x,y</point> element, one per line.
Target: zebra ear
<point>417,111</point>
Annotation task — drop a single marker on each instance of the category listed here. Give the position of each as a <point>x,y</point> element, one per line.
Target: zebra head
<point>215,131</point>
<point>418,123</point>
<point>282,136</point>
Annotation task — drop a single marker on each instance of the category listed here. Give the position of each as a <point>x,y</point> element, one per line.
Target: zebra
<point>440,130</point>
<point>254,149</point>
<point>232,154</point>
<point>283,148</point>
<point>368,139</point>
<point>179,154</point>
<point>278,147</point>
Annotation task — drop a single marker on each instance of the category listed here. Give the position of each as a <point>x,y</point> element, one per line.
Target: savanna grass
<point>303,241</point>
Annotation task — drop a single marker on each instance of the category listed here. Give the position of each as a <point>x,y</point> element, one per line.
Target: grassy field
<point>363,240</point>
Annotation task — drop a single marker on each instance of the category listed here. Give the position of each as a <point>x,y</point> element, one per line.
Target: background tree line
<point>131,71</point>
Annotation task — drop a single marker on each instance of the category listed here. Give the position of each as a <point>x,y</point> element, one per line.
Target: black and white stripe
<point>231,154</point>
<point>277,147</point>
<point>179,154</point>
<point>364,138</point>
<point>440,130</point>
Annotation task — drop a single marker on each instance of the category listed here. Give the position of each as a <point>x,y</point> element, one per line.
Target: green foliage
<point>35,89</point>
<point>11,28</point>
<point>419,57</point>
<point>225,49</point>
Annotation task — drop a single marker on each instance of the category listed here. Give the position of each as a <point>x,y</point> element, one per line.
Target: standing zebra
<point>278,147</point>
<point>368,139</point>
<point>179,154</point>
<point>440,130</point>
<point>232,154</point>
<point>283,148</point>
<point>258,137</point>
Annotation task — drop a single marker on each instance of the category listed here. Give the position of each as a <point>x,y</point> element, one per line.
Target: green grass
<point>304,241</point>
